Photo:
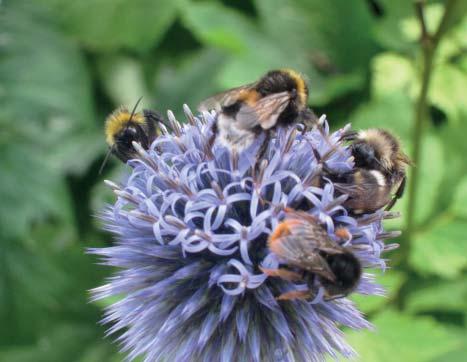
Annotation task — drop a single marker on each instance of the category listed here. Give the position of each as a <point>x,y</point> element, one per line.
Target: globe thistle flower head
<point>191,224</point>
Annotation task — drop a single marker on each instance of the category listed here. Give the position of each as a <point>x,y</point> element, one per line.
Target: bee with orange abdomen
<point>380,171</point>
<point>308,253</point>
<point>279,98</point>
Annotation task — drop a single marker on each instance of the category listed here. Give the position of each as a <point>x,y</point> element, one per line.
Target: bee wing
<point>264,112</point>
<point>223,99</point>
<point>302,249</point>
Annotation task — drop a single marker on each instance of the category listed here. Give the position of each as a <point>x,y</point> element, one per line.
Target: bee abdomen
<point>368,190</point>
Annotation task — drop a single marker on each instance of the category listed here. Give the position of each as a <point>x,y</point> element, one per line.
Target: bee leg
<point>295,294</point>
<point>397,195</point>
<point>264,146</point>
<point>153,121</point>
<point>309,120</point>
<point>349,136</point>
<point>333,297</point>
<point>282,273</point>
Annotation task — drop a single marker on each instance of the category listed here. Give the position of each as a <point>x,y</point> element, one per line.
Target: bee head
<point>365,155</point>
<point>131,132</point>
<point>285,80</point>
<point>378,149</point>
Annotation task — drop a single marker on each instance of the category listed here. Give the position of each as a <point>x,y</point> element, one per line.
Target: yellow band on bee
<point>300,83</point>
<point>117,121</point>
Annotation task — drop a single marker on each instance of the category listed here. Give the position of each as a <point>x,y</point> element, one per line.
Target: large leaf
<point>123,80</point>
<point>46,116</point>
<point>441,249</point>
<point>112,24</point>
<point>29,190</point>
<point>446,296</point>
<point>327,22</point>
<point>404,337</point>
<point>47,100</point>
<point>388,28</point>
<point>448,89</point>
<point>189,82</point>
<point>72,342</point>
<point>459,202</point>
<point>393,73</point>
<point>431,168</point>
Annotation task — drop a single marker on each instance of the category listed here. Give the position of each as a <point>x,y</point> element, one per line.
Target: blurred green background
<point>64,65</point>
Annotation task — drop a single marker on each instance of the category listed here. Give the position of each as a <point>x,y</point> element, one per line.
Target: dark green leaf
<point>109,25</point>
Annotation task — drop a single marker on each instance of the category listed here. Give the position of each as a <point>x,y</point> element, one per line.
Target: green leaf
<point>441,249</point>
<point>123,80</point>
<point>388,29</point>
<point>408,338</point>
<point>217,25</point>
<point>447,89</point>
<point>51,79</point>
<point>393,73</point>
<point>106,25</point>
<point>459,202</point>
<point>47,100</point>
<point>193,80</point>
<point>46,115</point>
<point>457,355</point>
<point>64,342</point>
<point>391,280</point>
<point>446,296</point>
<point>327,23</point>
<point>429,188</point>
<point>28,189</point>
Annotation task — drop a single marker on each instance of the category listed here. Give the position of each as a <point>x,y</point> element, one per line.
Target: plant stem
<point>429,44</point>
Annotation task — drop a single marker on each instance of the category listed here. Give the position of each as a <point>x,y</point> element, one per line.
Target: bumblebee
<point>380,174</point>
<point>123,127</point>
<point>279,98</point>
<point>309,253</point>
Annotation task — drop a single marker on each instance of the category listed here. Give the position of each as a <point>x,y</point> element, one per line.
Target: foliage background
<point>64,65</point>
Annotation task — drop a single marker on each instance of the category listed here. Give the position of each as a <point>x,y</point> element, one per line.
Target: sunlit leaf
<point>408,338</point>
<point>441,249</point>
<point>123,80</point>
<point>431,169</point>
<point>388,27</point>
<point>393,73</point>
<point>459,202</point>
<point>447,296</point>
<point>448,89</point>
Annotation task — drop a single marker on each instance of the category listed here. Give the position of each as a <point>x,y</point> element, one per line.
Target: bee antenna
<point>106,158</point>
<point>134,108</point>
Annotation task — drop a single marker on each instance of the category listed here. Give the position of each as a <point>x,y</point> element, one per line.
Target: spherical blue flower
<point>191,225</point>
